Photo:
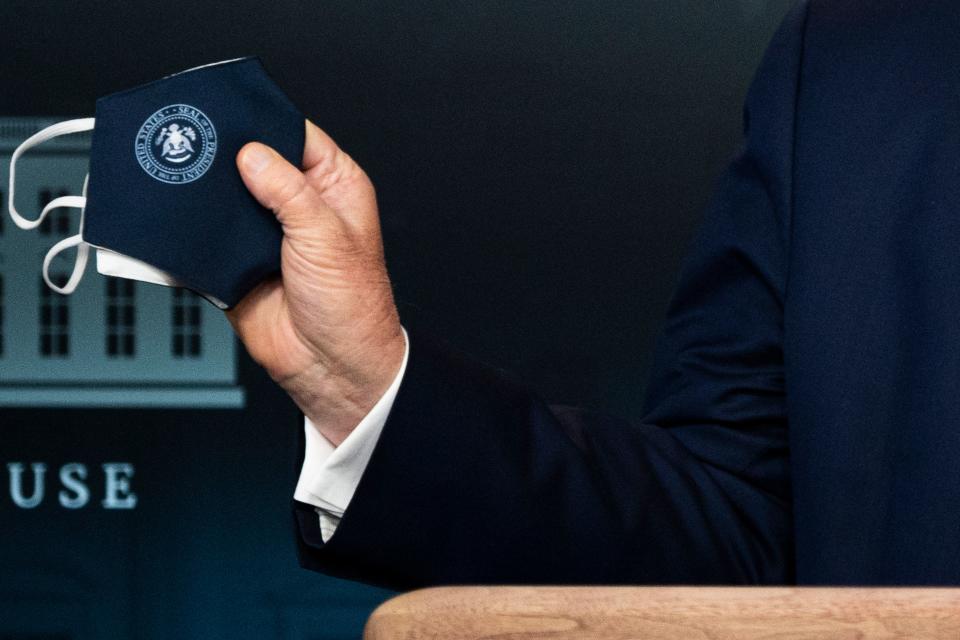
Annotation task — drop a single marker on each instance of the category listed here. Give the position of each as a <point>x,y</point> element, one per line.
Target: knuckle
<point>286,190</point>
<point>337,168</point>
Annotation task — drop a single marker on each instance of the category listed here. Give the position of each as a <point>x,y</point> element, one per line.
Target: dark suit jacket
<point>803,419</point>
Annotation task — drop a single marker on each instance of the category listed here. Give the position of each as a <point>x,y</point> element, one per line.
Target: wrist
<point>336,395</point>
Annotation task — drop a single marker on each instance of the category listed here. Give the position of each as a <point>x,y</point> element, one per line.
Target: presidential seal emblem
<point>176,144</point>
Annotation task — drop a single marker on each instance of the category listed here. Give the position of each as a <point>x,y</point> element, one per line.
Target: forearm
<point>475,480</point>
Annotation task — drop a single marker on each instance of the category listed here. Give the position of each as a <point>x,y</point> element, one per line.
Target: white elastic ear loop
<point>83,252</point>
<point>83,249</point>
<point>54,130</point>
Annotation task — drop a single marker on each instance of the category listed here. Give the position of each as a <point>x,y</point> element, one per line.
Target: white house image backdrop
<point>113,342</point>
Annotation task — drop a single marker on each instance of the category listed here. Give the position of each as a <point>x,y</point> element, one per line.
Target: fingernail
<point>255,159</point>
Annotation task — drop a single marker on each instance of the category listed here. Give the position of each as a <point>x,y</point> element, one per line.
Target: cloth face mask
<point>163,201</point>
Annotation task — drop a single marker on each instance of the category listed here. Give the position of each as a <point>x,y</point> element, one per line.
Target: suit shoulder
<point>893,24</point>
<point>879,11</point>
<point>878,47</point>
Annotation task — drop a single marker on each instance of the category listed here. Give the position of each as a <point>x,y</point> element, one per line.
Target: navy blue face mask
<point>164,201</point>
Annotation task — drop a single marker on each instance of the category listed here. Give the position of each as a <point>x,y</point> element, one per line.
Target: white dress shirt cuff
<point>330,475</point>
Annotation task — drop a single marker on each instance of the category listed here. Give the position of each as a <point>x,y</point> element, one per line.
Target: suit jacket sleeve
<point>475,480</point>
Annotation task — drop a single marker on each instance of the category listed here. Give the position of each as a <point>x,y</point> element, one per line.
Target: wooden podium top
<point>662,613</point>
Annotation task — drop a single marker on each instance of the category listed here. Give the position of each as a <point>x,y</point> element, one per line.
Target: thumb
<point>280,186</point>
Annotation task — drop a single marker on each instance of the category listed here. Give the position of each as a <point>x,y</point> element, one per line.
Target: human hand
<point>327,330</point>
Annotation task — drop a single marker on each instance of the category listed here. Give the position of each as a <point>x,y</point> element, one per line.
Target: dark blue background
<point>540,168</point>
